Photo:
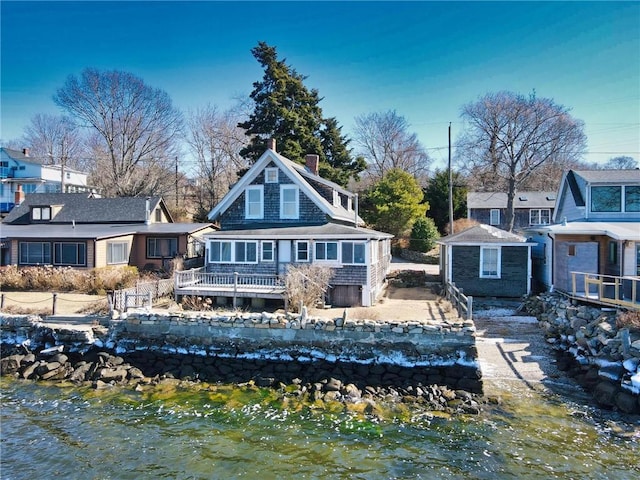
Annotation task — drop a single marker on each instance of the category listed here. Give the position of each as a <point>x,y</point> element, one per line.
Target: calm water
<point>223,432</point>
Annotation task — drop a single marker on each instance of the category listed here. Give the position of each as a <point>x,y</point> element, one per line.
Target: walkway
<point>512,350</point>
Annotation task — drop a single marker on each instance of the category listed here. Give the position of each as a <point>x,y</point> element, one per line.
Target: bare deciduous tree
<point>386,143</point>
<point>215,140</point>
<point>508,137</point>
<point>137,126</point>
<point>54,139</point>
<point>306,284</point>
<point>621,163</point>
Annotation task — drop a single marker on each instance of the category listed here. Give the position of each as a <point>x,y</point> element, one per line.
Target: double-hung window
<point>267,251</point>
<point>289,201</point>
<point>326,251</point>
<point>254,204</point>
<point>117,252</point>
<point>490,262</point>
<point>270,175</point>
<point>353,253</point>
<point>494,216</point>
<point>302,251</point>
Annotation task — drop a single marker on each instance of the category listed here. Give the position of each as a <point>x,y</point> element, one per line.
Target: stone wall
<point>599,354</point>
<point>418,352</point>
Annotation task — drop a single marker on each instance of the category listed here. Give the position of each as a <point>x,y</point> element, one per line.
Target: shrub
<point>423,235</point>
<point>306,285</point>
<point>462,224</point>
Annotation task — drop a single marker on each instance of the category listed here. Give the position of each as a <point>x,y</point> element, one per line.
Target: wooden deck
<point>606,289</point>
<point>235,285</point>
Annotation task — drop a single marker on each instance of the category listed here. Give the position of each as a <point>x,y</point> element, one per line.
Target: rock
<point>10,365</point>
<point>627,402</point>
<point>333,385</point>
<point>352,392</point>
<point>605,394</point>
<point>113,375</point>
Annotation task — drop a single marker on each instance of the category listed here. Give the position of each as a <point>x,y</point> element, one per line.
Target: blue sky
<point>423,59</point>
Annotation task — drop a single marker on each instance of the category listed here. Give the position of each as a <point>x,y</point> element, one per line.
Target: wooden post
<point>469,308</point>
<point>235,289</point>
<point>1,301</point>
<point>55,299</point>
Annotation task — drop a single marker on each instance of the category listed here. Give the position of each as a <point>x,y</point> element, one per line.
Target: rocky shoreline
<point>317,382</point>
<point>593,348</point>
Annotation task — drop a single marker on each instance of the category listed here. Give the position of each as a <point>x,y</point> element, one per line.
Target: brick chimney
<point>19,195</point>
<point>313,163</point>
<point>25,151</point>
<point>271,144</point>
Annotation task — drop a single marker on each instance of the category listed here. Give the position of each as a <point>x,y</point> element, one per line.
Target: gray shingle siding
<point>513,281</point>
<point>522,217</point>
<point>350,275</point>
<point>234,217</point>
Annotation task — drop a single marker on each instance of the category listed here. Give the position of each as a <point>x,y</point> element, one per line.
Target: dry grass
<point>629,319</point>
<point>67,279</point>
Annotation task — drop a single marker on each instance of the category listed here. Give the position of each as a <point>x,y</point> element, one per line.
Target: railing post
<point>1,301</point>
<point>469,308</point>
<point>235,289</point>
<point>460,293</point>
<point>55,299</point>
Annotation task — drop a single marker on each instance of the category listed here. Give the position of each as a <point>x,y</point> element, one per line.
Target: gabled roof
<point>522,200</point>
<point>19,155</point>
<point>299,176</point>
<point>609,176</point>
<point>482,234</point>
<point>83,208</point>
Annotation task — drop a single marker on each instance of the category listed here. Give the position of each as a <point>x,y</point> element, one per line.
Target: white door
<point>284,256</point>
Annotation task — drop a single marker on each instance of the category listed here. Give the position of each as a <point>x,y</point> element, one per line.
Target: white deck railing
<point>238,281</point>
<point>608,289</point>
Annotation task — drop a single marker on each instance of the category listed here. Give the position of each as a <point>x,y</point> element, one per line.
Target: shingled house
<point>282,213</point>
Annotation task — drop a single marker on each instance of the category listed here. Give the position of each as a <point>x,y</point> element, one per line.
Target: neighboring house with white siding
<point>21,174</point>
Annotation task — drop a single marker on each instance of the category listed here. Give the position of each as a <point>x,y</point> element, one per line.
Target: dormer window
<point>41,214</point>
<point>270,175</point>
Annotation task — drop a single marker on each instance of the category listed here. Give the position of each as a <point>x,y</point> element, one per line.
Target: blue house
<point>282,213</point>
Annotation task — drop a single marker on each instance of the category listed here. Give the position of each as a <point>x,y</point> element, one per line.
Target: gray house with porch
<point>281,213</point>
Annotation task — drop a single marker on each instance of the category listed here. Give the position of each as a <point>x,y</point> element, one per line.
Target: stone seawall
<point>286,346</point>
<point>593,349</point>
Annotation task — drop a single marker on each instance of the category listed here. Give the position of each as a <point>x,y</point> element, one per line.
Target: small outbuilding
<point>485,261</point>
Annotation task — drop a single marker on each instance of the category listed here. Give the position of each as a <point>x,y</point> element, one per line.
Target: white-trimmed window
<point>326,251</point>
<point>246,252</point>
<point>117,252</point>
<point>289,201</point>
<point>539,216</point>
<point>35,253</point>
<point>270,175</point>
<point>490,262</point>
<point>239,251</point>
<point>375,247</point>
<point>353,253</point>
<point>70,253</point>
<point>41,213</point>
<point>220,252</point>
<point>349,204</point>
<point>494,216</point>
<point>253,201</point>
<point>267,251</point>
<point>302,251</point>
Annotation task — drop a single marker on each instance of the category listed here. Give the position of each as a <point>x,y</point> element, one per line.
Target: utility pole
<point>450,187</point>
<point>176,182</point>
